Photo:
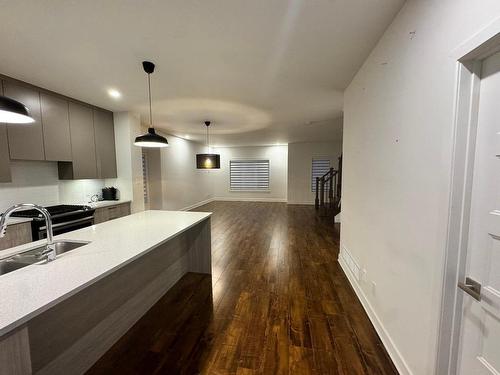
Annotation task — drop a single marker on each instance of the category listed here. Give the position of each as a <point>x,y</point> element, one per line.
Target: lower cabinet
<point>16,234</point>
<point>111,212</point>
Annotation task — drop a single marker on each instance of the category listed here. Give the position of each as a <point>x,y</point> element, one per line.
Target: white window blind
<point>319,168</point>
<point>249,174</point>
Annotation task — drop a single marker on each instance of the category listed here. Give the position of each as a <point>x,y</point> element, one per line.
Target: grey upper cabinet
<point>26,140</point>
<point>5,175</point>
<point>82,144</point>
<point>105,144</point>
<point>56,133</point>
<point>79,137</point>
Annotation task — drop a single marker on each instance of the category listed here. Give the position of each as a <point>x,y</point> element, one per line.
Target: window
<point>249,175</point>
<point>319,168</point>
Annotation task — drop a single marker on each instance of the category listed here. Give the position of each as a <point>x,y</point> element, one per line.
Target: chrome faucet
<point>49,253</point>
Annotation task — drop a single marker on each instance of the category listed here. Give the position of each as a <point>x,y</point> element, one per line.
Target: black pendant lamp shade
<point>14,112</point>
<point>208,161</point>
<point>150,139</point>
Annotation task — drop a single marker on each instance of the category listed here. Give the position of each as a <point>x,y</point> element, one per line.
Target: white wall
<point>300,157</point>
<point>37,182</point>
<point>183,186</point>
<point>278,160</point>
<point>128,160</point>
<point>397,147</point>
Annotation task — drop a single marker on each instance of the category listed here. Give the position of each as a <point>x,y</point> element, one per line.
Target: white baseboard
<point>226,199</point>
<point>301,203</point>
<point>242,199</point>
<point>389,344</point>
<point>198,204</point>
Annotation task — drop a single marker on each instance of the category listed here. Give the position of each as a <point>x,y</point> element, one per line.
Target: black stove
<point>54,211</point>
<point>65,218</point>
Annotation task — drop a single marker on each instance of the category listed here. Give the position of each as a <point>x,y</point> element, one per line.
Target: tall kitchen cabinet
<point>4,151</point>
<point>56,133</point>
<point>83,155</point>
<point>105,144</point>
<point>93,152</point>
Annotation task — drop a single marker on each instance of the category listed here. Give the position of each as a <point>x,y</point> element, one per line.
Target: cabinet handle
<point>471,287</point>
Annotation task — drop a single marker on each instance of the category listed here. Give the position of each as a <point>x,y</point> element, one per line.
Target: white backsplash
<point>37,182</point>
<point>79,191</point>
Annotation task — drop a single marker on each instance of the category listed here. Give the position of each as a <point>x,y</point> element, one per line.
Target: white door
<point>480,331</point>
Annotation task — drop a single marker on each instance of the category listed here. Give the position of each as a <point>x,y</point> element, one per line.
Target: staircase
<point>328,192</point>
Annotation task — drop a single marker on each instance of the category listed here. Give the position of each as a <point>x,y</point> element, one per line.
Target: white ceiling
<point>262,71</point>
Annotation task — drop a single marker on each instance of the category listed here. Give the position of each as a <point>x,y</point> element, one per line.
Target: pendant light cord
<point>208,140</point>
<point>150,105</point>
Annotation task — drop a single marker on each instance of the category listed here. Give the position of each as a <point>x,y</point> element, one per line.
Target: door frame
<point>469,57</point>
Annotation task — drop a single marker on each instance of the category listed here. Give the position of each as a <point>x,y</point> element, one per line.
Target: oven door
<point>65,227</point>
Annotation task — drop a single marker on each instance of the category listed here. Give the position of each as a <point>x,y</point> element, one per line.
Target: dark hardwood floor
<point>277,303</point>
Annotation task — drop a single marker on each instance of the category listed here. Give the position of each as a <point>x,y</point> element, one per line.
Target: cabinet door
<point>105,144</point>
<point>16,234</point>
<point>82,141</point>
<point>5,175</point>
<point>101,215</point>
<point>56,134</point>
<point>124,209</point>
<point>111,212</point>
<point>25,140</point>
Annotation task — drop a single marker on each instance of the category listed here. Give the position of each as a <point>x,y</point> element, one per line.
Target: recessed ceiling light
<point>187,136</point>
<point>114,93</point>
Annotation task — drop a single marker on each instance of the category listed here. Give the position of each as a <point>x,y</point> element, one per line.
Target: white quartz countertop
<point>31,290</point>
<point>101,204</point>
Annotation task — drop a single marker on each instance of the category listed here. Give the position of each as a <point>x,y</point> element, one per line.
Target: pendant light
<point>208,161</point>
<point>14,112</point>
<point>150,139</point>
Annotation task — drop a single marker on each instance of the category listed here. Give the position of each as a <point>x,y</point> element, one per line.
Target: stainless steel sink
<point>9,265</point>
<point>32,256</point>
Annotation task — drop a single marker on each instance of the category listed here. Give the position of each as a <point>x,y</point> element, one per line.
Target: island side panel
<point>200,252</point>
<point>15,353</point>
<point>71,336</point>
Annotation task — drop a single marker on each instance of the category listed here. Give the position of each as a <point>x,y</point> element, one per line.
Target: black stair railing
<point>328,191</point>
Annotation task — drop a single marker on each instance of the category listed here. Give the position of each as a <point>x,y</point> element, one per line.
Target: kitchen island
<point>60,317</point>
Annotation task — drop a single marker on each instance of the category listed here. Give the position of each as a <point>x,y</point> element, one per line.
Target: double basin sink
<point>32,256</point>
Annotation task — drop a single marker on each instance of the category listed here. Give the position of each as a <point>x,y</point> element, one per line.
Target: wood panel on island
<point>67,333</point>
<point>79,136</point>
